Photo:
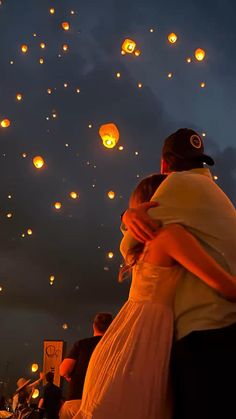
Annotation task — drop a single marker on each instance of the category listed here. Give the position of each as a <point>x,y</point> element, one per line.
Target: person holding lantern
<point>128,375</point>
<point>203,354</point>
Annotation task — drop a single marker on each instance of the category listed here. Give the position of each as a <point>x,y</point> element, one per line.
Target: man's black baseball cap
<point>186,144</point>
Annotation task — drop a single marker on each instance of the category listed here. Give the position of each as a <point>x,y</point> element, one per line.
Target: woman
<point>128,375</point>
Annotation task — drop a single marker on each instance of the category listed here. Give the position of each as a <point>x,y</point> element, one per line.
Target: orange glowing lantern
<point>200,54</point>
<point>111,194</point>
<point>128,46</point>
<point>41,60</point>
<point>57,205</point>
<point>29,232</point>
<point>52,10</point>
<point>172,38</point>
<point>38,162</point>
<point>5,123</point>
<point>110,255</point>
<point>65,26</point>
<point>65,47</point>
<point>73,195</point>
<point>137,53</point>
<point>24,48</point>
<point>109,134</point>
<point>34,367</point>
<point>19,96</point>
<point>42,45</point>
<point>35,394</point>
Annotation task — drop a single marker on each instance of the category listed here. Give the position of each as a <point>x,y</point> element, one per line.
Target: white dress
<point>128,374</point>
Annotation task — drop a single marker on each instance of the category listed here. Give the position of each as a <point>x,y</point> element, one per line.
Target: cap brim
<point>208,160</point>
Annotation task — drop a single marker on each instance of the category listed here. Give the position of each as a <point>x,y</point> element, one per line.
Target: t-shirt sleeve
<point>74,352</point>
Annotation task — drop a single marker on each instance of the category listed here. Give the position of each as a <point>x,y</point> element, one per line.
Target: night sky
<point>72,243</point>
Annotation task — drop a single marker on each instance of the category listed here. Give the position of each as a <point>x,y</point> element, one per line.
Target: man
<point>74,366</point>
<point>51,400</point>
<point>205,323</point>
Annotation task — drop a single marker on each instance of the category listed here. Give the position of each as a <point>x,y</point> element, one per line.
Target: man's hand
<point>138,222</point>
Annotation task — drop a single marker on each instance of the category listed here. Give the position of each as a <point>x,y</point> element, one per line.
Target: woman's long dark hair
<point>142,193</point>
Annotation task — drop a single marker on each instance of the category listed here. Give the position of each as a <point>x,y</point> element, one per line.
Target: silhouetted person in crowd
<point>74,366</point>
<point>51,400</point>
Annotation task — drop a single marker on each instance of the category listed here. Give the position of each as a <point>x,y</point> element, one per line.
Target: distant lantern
<point>65,26</point>
<point>35,394</point>
<point>200,54</point>
<point>52,277</point>
<point>41,60</point>
<point>49,91</point>
<point>5,123</point>
<point>188,59</point>
<point>9,215</point>
<point>24,48</point>
<point>128,46</point>
<point>111,194</point>
<point>109,134</point>
<point>73,195</point>
<point>170,75</point>
<point>29,232</point>
<point>34,367</point>
<point>202,84</point>
<point>42,45</point>
<point>137,52</point>
<point>172,38</point>
<point>65,326</point>
<point>110,255</point>
<point>57,205</point>
<point>19,96</point>
<point>65,47</point>
<point>118,75</point>
<point>140,85</point>
<point>78,90</point>
<point>38,162</point>
<point>52,10</point>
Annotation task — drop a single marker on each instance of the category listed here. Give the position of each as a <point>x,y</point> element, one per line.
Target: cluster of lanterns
<point>109,134</point>
<point>129,47</point>
<point>51,279</point>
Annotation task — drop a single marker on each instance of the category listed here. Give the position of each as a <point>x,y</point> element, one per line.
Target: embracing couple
<point>171,350</point>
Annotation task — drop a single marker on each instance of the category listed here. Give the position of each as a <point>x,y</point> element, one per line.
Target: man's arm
<point>67,367</point>
<point>40,404</point>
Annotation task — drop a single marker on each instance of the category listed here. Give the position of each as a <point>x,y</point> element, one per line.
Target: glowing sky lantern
<point>137,52</point>
<point>65,47</point>
<point>65,326</point>
<point>52,10</point>
<point>38,162</point>
<point>34,367</point>
<point>41,60</point>
<point>5,123</point>
<point>200,54</point>
<point>128,46</point>
<point>172,38</point>
<point>35,394</point>
<point>19,96</point>
<point>110,255</point>
<point>29,232</point>
<point>73,195</point>
<point>57,205</point>
<point>65,26</point>
<point>109,134</point>
<point>111,194</point>
<point>24,48</point>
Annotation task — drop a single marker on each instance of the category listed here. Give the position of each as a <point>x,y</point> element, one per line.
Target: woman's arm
<point>183,247</point>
